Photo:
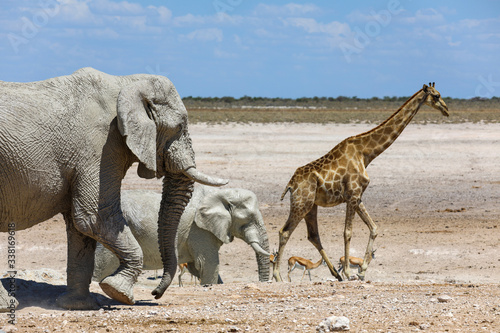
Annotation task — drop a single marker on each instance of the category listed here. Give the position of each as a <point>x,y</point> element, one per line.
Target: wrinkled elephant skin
<point>212,218</point>
<point>66,144</point>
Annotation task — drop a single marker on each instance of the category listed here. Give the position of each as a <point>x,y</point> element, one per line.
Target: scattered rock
<point>252,286</point>
<point>450,210</point>
<point>444,298</point>
<point>9,328</point>
<point>333,324</point>
<point>423,327</point>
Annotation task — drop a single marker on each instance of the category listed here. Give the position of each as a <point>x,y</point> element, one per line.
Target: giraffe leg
<point>350,211</point>
<point>313,236</point>
<point>363,213</point>
<point>293,220</point>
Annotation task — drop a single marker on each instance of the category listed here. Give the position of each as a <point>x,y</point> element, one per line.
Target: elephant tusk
<point>200,177</point>
<point>258,249</point>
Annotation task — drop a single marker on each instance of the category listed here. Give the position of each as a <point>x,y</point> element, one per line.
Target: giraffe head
<point>434,99</point>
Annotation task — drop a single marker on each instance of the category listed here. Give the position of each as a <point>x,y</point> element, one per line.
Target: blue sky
<point>277,48</point>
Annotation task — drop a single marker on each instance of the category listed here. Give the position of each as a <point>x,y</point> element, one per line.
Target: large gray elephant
<point>65,146</point>
<point>212,218</point>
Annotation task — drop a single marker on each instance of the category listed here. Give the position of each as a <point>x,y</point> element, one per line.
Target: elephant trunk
<point>262,254</point>
<point>176,160</point>
<point>177,189</point>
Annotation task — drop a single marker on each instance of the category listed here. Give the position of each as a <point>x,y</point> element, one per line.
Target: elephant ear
<point>137,126</point>
<point>213,215</point>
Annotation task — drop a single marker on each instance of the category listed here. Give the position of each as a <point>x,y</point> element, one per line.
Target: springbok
<point>304,264</point>
<point>183,269</point>
<point>272,257</point>
<point>354,263</point>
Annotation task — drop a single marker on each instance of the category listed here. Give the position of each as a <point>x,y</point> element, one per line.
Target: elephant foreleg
<point>7,302</point>
<point>110,229</point>
<point>79,270</point>
<point>193,270</point>
<point>208,267</point>
<point>119,285</point>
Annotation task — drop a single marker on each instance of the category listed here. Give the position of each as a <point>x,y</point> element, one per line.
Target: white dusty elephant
<point>65,145</point>
<point>213,217</point>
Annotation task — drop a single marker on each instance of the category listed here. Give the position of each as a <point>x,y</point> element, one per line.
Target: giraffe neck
<point>377,140</point>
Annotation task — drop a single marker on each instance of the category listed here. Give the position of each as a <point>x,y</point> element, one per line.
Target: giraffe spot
<point>337,178</point>
<point>343,160</point>
<point>330,158</point>
<point>356,140</point>
<point>329,187</point>
<point>376,137</point>
<point>350,151</point>
<point>373,144</point>
<point>321,181</point>
<point>350,168</point>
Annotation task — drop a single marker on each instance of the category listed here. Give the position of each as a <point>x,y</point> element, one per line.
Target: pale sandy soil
<point>435,195</point>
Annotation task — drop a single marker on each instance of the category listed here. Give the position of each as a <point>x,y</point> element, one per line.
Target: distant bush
<point>332,103</point>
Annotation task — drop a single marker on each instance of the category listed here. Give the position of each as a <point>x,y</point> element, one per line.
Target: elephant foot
<point>9,304</point>
<point>118,288</point>
<point>74,301</point>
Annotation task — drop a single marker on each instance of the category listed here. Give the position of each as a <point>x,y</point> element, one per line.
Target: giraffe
<point>340,177</point>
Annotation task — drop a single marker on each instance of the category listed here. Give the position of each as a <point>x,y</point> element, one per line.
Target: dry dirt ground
<point>434,194</point>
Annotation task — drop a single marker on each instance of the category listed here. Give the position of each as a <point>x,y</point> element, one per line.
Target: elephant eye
<point>149,110</point>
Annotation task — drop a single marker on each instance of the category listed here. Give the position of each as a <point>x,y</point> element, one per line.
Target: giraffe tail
<point>287,188</point>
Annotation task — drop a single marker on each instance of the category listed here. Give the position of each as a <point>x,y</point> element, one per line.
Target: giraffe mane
<point>392,116</point>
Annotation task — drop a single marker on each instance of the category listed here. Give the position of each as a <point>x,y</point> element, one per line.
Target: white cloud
<point>106,33</point>
<point>291,9</point>
<point>451,42</point>
<point>218,53</point>
<point>359,16</point>
<point>76,12</point>
<point>115,8</point>
<point>206,35</point>
<point>312,26</point>
<point>164,12</point>
<point>427,16</point>
<point>189,20</point>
